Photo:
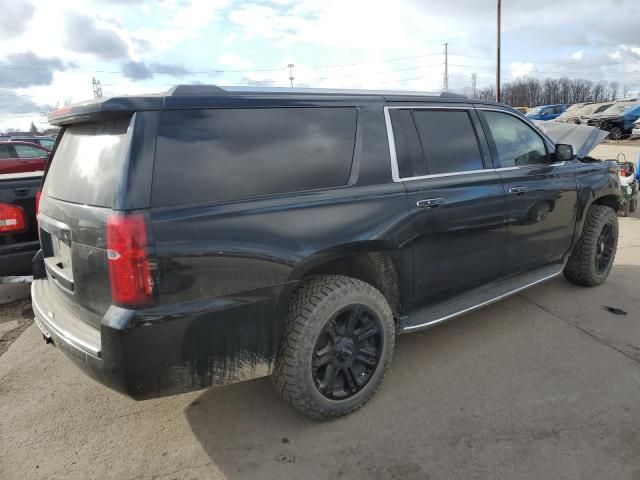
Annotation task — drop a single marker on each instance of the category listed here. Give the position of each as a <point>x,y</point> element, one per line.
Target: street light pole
<point>498,55</point>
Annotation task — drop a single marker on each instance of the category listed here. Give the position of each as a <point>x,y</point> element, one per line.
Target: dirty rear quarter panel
<point>241,257</point>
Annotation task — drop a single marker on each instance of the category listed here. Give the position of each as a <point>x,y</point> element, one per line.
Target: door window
<point>433,142</point>
<point>25,151</point>
<point>5,151</point>
<point>449,141</point>
<point>516,143</point>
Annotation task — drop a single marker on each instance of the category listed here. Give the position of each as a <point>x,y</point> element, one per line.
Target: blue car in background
<point>546,112</point>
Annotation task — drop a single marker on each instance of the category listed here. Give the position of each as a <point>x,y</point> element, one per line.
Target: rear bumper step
<point>56,323</point>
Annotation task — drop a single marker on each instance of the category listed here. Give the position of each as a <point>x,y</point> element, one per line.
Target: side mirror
<point>564,152</point>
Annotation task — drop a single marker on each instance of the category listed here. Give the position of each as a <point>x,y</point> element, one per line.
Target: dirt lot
<point>545,385</point>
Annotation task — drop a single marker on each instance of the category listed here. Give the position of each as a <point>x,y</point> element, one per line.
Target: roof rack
<point>180,90</point>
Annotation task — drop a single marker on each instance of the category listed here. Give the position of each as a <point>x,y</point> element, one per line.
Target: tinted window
<point>24,151</point>
<point>5,151</point>
<point>88,164</point>
<point>448,140</point>
<point>229,154</point>
<point>411,162</point>
<point>517,144</point>
<point>46,143</point>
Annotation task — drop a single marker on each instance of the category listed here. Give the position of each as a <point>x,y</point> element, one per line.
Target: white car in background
<point>635,131</point>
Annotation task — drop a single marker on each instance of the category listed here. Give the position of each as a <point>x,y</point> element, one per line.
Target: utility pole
<point>498,54</point>
<point>474,82</point>
<point>97,88</point>
<point>446,68</point>
<point>291,76</point>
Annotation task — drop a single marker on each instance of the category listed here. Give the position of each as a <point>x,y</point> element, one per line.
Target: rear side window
<point>227,154</point>
<point>6,151</point>
<point>449,141</point>
<point>89,163</point>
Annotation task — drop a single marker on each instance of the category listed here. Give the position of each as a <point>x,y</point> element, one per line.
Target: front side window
<point>228,154</point>
<point>25,151</point>
<point>517,144</point>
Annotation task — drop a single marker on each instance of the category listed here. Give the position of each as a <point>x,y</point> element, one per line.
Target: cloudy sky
<point>51,50</point>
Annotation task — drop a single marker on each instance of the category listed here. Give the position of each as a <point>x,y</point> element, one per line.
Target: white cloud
<point>521,69</point>
<point>579,55</point>
<point>233,60</point>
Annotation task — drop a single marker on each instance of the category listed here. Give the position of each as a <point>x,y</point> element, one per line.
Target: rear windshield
<point>88,163</point>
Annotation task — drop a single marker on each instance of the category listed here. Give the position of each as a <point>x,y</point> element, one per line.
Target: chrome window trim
<point>395,171</point>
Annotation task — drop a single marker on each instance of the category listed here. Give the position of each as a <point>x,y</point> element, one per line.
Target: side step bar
<point>475,299</point>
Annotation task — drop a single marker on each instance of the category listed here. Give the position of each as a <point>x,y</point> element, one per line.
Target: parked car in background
<point>18,226</point>
<point>546,112</point>
<point>213,235</point>
<point>618,120</point>
<point>18,157</point>
<point>578,116</point>
<point>635,131</point>
<point>46,142</point>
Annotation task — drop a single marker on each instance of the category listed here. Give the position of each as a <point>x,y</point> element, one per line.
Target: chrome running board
<point>475,299</point>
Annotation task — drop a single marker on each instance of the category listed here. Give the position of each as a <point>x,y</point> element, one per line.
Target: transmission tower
<point>97,88</point>
<point>291,75</point>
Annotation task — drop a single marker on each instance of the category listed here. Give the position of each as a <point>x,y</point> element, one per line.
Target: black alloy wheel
<point>347,352</point>
<point>605,247</point>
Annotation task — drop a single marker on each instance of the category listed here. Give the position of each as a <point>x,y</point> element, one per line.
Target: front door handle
<point>518,190</point>
<point>430,203</point>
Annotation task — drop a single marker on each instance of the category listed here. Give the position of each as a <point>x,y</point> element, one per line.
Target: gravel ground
<point>543,385</point>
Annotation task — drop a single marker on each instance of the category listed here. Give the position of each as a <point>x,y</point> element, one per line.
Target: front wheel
<point>337,343</point>
<point>616,133</point>
<point>592,258</point>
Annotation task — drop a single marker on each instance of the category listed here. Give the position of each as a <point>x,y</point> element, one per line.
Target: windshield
<point>534,111</point>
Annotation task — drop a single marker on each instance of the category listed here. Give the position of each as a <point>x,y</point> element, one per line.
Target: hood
<point>582,137</point>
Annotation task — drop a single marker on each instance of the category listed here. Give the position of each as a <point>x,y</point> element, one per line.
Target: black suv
<point>208,236</point>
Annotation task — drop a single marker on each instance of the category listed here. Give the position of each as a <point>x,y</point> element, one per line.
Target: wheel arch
<point>369,262</point>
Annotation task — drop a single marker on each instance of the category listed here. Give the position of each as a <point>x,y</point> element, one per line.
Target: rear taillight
<point>12,219</point>
<point>129,266</point>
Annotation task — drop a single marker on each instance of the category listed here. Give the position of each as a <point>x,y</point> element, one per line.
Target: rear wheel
<point>338,342</point>
<point>593,255</point>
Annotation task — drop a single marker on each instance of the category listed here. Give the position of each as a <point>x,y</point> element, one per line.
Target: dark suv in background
<point>207,235</point>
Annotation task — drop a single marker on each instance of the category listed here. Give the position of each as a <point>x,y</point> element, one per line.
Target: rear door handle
<point>430,203</point>
<point>518,190</point>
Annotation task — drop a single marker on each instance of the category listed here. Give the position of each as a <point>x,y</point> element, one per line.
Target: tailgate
<point>84,176</point>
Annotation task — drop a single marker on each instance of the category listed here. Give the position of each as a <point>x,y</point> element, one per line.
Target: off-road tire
<point>581,267</point>
<point>310,308</point>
